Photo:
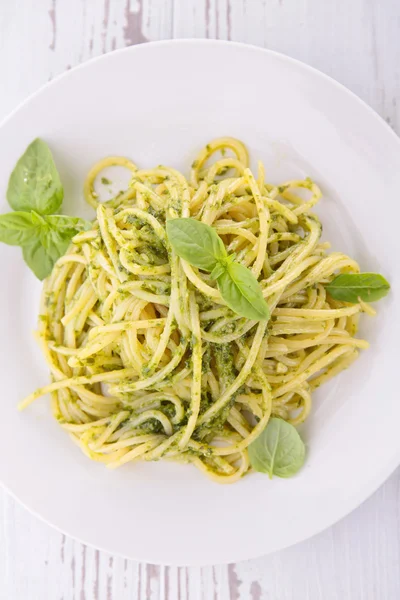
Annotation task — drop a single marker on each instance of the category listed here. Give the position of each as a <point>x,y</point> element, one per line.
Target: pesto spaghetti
<point>147,359</point>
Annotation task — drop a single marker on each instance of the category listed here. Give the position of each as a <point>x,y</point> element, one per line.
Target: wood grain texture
<point>358,44</point>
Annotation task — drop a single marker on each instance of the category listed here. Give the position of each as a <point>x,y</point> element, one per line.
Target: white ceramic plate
<point>160,103</point>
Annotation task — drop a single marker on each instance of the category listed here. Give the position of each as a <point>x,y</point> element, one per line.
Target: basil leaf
<point>242,292</point>
<point>278,450</point>
<point>42,254</point>
<point>50,240</point>
<point>202,247</point>
<point>348,287</point>
<point>218,270</point>
<point>62,222</point>
<point>35,183</point>
<point>197,243</point>
<point>56,234</point>
<point>37,219</point>
<point>55,242</point>
<point>37,259</point>
<point>17,228</point>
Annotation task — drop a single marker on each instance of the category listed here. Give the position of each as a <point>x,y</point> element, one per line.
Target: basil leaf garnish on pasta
<point>242,292</point>
<point>18,228</point>
<point>196,242</point>
<point>35,186</point>
<point>200,245</point>
<point>278,450</point>
<point>350,287</point>
<point>38,259</point>
<point>35,183</point>
<point>51,238</point>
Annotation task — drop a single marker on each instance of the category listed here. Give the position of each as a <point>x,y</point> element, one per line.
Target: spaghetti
<point>148,362</point>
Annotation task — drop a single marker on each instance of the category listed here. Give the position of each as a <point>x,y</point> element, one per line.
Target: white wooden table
<point>358,43</point>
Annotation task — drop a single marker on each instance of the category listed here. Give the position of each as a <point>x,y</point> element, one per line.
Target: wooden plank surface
<point>358,43</point>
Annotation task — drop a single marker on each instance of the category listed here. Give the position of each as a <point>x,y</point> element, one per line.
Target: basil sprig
<point>201,246</point>
<point>35,192</point>
<point>278,450</point>
<point>349,287</point>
